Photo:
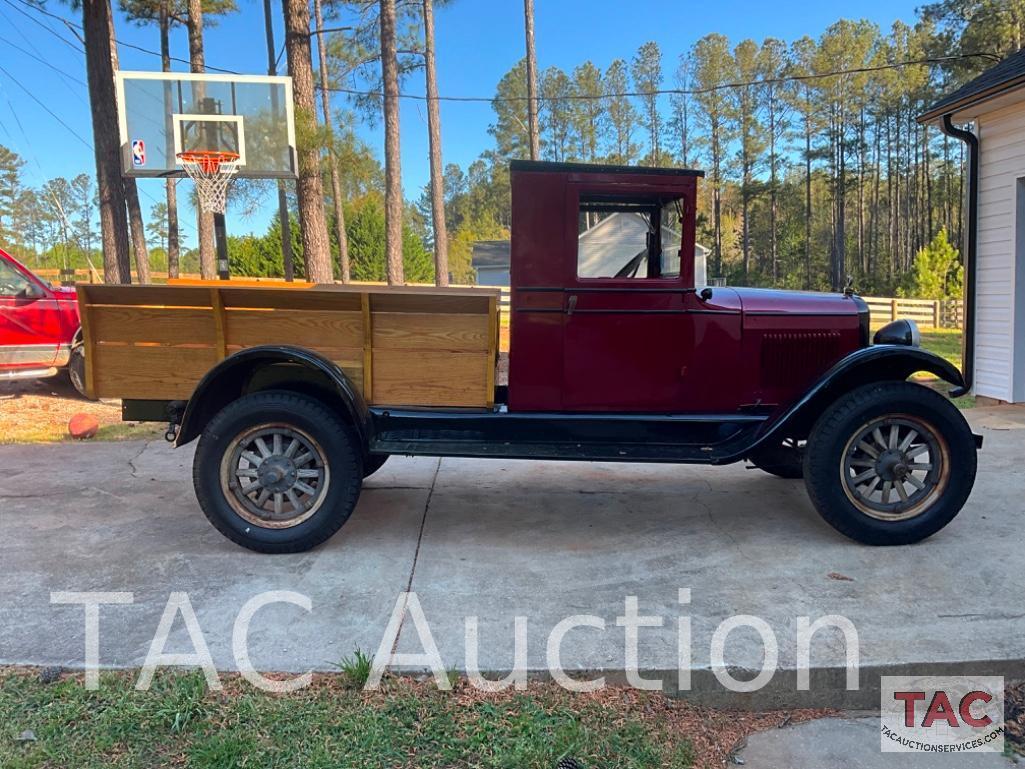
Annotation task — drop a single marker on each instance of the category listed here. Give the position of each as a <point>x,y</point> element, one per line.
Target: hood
<point>767,301</point>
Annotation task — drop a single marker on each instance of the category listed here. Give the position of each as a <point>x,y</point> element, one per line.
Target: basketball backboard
<point>164,113</point>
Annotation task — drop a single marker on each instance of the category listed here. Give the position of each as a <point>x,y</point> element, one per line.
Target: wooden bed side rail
<point>399,345</point>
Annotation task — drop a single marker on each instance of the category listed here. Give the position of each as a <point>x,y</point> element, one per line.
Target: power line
<point>49,111</point>
<point>43,61</point>
<point>684,91</point>
<point>78,27</point>
<point>71,130</point>
<point>579,97</point>
<point>55,33</point>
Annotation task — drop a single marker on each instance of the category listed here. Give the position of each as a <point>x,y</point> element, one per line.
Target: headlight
<point>899,332</point>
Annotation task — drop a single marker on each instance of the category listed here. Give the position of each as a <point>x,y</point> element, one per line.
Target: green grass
<point>356,669</point>
<point>946,342</point>
<point>178,723</point>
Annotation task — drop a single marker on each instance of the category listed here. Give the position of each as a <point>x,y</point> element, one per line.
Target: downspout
<point>968,348</point>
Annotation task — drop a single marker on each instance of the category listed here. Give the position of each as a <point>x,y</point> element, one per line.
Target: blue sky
<point>478,41</point>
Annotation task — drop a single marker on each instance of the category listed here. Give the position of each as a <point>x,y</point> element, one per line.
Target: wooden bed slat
<point>309,328</point>
<point>429,331</point>
<point>409,378</point>
<point>412,346</point>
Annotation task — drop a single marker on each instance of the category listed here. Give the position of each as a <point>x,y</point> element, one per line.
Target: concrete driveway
<point>498,539</point>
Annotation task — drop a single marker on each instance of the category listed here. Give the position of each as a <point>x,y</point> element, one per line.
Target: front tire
<point>277,472</point>
<point>890,463</point>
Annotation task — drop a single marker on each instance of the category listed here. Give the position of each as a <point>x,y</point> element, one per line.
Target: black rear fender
<point>277,367</point>
<point>878,363</point>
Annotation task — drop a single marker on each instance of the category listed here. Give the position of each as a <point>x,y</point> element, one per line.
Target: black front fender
<point>232,377</point>
<point>878,363</point>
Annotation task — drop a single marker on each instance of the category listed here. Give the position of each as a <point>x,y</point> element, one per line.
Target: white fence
<point>929,313</point>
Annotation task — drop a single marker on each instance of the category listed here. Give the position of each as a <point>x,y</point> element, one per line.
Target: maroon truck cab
<point>606,317</point>
<point>39,323</point>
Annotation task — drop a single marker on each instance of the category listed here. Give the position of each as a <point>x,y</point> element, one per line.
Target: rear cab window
<point>628,237</point>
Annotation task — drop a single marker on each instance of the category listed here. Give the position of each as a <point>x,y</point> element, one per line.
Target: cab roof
<point>546,166</point>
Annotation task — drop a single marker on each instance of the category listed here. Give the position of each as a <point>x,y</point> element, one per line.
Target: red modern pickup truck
<point>40,331</point>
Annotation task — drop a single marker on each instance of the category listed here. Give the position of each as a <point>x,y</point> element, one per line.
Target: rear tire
<point>277,472</point>
<point>890,463</point>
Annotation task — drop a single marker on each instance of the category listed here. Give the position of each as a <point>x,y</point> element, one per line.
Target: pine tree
<point>646,70</point>
<point>587,111</point>
<point>622,116</point>
<point>714,66</point>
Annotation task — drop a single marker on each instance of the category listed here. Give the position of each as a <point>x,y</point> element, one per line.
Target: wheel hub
<point>277,473</point>
<point>892,465</point>
<point>895,467</point>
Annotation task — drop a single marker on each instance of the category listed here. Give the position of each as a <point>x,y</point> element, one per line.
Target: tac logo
<point>138,152</point>
<point>941,714</point>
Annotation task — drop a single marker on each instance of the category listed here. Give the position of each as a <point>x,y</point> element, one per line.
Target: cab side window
<point>12,282</point>
<point>628,238</point>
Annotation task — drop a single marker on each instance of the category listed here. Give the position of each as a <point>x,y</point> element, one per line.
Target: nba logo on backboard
<point>138,152</point>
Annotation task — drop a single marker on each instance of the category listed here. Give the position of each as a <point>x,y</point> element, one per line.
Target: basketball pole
<point>221,238</point>
<point>220,230</point>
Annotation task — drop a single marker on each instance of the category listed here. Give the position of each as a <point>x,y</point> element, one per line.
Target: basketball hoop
<point>212,172</point>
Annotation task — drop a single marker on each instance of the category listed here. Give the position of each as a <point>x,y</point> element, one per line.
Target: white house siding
<point>1002,164</point>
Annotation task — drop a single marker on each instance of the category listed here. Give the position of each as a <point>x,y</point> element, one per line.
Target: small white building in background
<point>603,250</point>
<point>994,103</point>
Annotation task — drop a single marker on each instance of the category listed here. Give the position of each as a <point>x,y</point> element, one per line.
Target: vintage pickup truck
<point>296,395</point>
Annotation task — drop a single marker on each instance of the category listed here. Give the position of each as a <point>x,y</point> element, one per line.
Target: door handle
<point>572,304</point>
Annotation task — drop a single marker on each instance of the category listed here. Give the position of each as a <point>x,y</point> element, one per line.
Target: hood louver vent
<point>797,357</point>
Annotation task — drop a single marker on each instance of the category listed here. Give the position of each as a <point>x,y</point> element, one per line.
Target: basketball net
<point>212,173</point>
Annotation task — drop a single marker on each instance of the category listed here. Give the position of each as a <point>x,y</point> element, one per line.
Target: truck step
<point>683,439</point>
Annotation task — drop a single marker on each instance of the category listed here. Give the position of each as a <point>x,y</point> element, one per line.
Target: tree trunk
<point>807,195</point>
<point>874,219</point>
<point>928,183</point>
<point>336,183</point>
<point>745,187</point>
<point>535,141</point>
<point>96,24</point>
<point>841,218</point>
<point>138,231</point>
<point>773,252</point>
<point>309,189</point>
<point>204,220</point>
<point>861,192</point>
<point>173,246</point>
<point>283,217</point>
<point>437,169</point>
<point>392,149</point>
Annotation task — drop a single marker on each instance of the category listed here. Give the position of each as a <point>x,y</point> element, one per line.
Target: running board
<point>682,439</point>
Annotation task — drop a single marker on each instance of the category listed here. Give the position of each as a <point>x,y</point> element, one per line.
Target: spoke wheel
<point>275,475</point>
<point>895,467</point>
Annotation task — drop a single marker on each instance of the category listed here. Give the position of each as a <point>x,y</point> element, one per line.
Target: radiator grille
<point>797,357</point>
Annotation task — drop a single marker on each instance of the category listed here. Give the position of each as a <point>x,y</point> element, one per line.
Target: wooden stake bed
<point>410,346</point>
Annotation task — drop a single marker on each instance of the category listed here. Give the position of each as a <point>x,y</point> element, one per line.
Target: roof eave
<point>971,100</point>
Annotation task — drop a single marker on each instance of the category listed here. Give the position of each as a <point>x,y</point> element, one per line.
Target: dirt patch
<point>38,410</point>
